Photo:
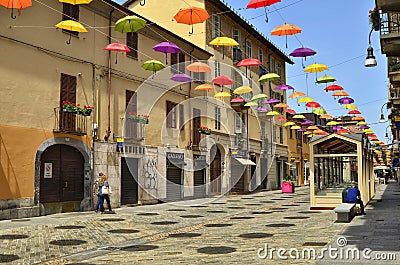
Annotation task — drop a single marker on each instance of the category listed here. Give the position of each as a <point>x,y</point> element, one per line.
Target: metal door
<point>129,177</point>
<point>237,176</point>
<point>64,181</point>
<point>264,172</point>
<point>174,182</point>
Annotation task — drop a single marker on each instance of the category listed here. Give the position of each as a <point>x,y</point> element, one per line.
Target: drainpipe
<point>109,77</point>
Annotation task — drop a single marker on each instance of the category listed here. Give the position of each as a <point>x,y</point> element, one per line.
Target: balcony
<point>70,123</point>
<point>388,5</point>
<point>390,34</point>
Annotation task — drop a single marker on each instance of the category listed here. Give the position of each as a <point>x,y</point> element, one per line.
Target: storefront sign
<point>175,157</point>
<point>48,170</point>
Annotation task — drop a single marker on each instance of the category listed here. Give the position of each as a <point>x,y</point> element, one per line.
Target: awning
<point>245,162</point>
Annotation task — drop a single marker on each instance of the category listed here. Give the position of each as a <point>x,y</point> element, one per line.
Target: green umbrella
<point>250,104</point>
<point>319,111</point>
<point>153,65</point>
<point>259,96</point>
<point>269,77</point>
<point>129,24</point>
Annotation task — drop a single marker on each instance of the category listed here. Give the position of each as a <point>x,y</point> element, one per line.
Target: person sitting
<point>354,196</point>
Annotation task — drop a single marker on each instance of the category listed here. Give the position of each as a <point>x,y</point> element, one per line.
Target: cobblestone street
<point>230,230</point>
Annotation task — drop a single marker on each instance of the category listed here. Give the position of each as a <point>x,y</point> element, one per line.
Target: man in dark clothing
<point>354,196</point>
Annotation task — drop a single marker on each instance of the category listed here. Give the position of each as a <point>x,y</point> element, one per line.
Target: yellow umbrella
<point>332,123</point>
<point>251,104</point>
<point>325,79</point>
<point>222,94</point>
<point>259,96</point>
<point>71,25</point>
<point>350,106</point>
<point>295,127</point>
<point>288,123</point>
<point>273,113</point>
<point>316,67</point>
<point>269,77</point>
<point>204,87</point>
<point>299,116</point>
<point>296,95</point>
<point>305,100</point>
<point>242,90</point>
<point>308,132</point>
<point>223,41</point>
<point>360,123</point>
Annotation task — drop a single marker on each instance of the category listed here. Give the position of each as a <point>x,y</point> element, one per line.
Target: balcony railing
<point>394,64</point>
<point>68,122</point>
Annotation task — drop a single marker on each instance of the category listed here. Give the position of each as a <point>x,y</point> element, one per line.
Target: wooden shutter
<point>196,125</point>
<point>67,93</point>
<point>132,43</point>
<point>181,116</point>
<point>168,108</point>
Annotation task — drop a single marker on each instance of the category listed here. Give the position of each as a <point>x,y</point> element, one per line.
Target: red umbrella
<point>262,3</point>
<point>222,80</point>
<point>291,111</point>
<point>313,104</point>
<point>333,88</point>
<point>117,47</point>
<point>354,111</point>
<point>249,62</point>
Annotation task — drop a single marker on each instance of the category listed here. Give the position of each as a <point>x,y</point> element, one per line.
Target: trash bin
<point>344,194</point>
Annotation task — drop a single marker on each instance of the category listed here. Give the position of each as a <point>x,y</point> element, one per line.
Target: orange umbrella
<point>204,87</point>
<point>326,116</point>
<point>191,15</point>
<point>281,105</point>
<point>358,118</point>
<point>198,67</point>
<point>17,4</point>
<point>285,30</point>
<point>340,94</point>
<point>296,95</point>
<point>354,111</point>
<point>312,127</point>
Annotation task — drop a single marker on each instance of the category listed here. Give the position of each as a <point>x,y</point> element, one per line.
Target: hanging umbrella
<point>117,47</point>
<point>358,118</point>
<point>262,109</point>
<point>302,52</point>
<point>273,113</point>
<point>281,105</point>
<point>222,94</point>
<point>299,116</point>
<point>340,94</point>
<point>269,77</point>
<point>17,4</point>
<point>251,104</point>
<point>364,127</point>
<point>224,41</point>
<point>222,80</point>
<point>336,127</point>
<point>129,24</point>
<point>262,3</point>
<point>301,130</point>
<point>350,106</point>
<point>290,111</point>
<point>181,78</point>
<point>281,118</point>
<point>354,111</point>
<point>326,116</point>
<point>319,111</point>
<point>307,122</point>
<point>204,87</point>
<point>242,89</point>
<point>259,96</point>
<point>345,100</point>
<point>153,65</point>
<point>285,30</point>
<point>249,62</point>
<point>71,25</point>
<point>271,101</point>
<point>312,127</point>
<point>361,123</point>
<point>325,79</point>
<point>283,87</point>
<point>305,100</point>
<point>198,67</point>
<point>331,123</point>
<point>333,88</point>
<point>316,67</point>
<point>295,127</point>
<point>342,131</point>
<point>191,15</point>
<point>75,2</point>
<point>296,95</point>
<point>313,104</point>
<point>167,47</point>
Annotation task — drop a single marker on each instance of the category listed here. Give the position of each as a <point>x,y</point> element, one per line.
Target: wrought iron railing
<point>390,23</point>
<point>394,64</point>
<point>69,122</point>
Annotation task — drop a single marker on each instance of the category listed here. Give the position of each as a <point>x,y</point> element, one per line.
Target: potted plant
<point>68,106</point>
<point>288,184</point>
<point>204,130</point>
<point>374,19</point>
<point>86,110</point>
<point>139,118</point>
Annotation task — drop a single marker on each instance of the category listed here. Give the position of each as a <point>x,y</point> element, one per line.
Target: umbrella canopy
<point>342,131</point>
<point>362,127</point>
<point>283,87</point>
<point>242,89</point>
<point>249,62</point>
<point>222,94</point>
<point>312,127</point>
<point>71,25</point>
<point>290,111</point>
<point>336,127</point>
<point>262,3</point>
<point>281,118</point>
<point>319,111</point>
<point>301,130</point>
<point>302,52</point>
<point>281,105</point>
<point>129,24</point>
<point>153,65</point>
<point>238,100</point>
<point>295,127</point>
<point>346,100</point>
<point>296,95</point>
<point>316,67</point>
<point>222,80</point>
<point>271,101</point>
<point>181,78</point>
<point>269,77</point>
<point>204,87</point>
<point>167,47</point>
<point>325,79</point>
<point>251,104</point>
<point>313,104</point>
<point>75,2</point>
<point>326,116</point>
<point>273,113</point>
<point>223,41</point>
<point>198,67</point>
<point>340,94</point>
<point>191,15</point>
<point>331,123</point>
<point>259,96</point>
<point>17,4</point>
<point>358,118</point>
<point>262,109</point>
<point>118,47</point>
<point>361,123</point>
<point>299,116</point>
<point>305,100</point>
<point>354,111</point>
<point>350,106</point>
<point>285,30</point>
<point>307,122</point>
<point>333,88</point>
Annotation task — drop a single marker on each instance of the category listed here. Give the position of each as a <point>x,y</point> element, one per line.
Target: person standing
<point>354,196</point>
<point>104,195</point>
<point>97,192</point>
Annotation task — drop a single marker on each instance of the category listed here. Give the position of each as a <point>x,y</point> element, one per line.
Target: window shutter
<point>132,43</point>
<point>169,115</point>
<point>181,116</point>
<point>238,123</point>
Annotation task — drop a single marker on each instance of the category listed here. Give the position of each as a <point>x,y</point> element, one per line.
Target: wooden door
<point>215,170</point>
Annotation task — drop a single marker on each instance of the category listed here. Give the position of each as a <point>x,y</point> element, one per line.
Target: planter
<point>87,112</point>
<point>375,20</point>
<point>68,110</point>
<point>287,187</point>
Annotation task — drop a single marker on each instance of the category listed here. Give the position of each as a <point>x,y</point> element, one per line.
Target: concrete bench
<point>345,212</point>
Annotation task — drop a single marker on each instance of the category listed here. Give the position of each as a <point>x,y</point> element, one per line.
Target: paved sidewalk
<point>235,229</point>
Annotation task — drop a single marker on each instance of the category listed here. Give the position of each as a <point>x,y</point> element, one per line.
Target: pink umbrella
<point>167,47</point>
<point>222,80</point>
<point>117,47</point>
<point>291,111</point>
<point>271,101</point>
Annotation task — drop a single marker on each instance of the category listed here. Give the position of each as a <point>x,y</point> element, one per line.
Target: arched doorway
<point>215,170</point>
<point>61,179</point>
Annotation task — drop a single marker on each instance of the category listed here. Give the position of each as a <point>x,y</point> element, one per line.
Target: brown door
<point>215,170</point>
<point>63,179</point>
<point>196,125</point>
<point>67,93</point>
<point>131,108</point>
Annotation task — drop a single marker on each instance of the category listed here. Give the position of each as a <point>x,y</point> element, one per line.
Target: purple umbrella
<point>301,130</point>
<point>271,101</point>
<point>283,87</point>
<point>307,122</point>
<point>346,100</point>
<point>364,127</point>
<point>167,47</point>
<point>302,52</point>
<point>181,78</point>
<point>262,109</point>
<point>336,128</point>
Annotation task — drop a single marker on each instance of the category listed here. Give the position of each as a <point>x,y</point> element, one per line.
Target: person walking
<point>354,196</point>
<point>105,193</point>
<point>97,192</point>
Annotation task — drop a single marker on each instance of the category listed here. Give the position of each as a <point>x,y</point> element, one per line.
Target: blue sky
<point>338,31</point>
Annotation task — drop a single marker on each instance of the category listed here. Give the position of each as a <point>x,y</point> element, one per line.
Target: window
<point>181,116</point>
<point>237,52</point>
<point>280,135</point>
<point>273,133</point>
<point>290,134</point>
<point>70,12</point>
<point>67,93</point>
<point>131,107</point>
<point>132,43</point>
<point>272,65</point>
<point>171,114</point>
<point>260,55</point>
<point>279,69</point>
<point>178,63</point>
<point>238,123</point>
<point>216,26</point>
<point>217,118</point>
<point>248,49</point>
<point>217,69</point>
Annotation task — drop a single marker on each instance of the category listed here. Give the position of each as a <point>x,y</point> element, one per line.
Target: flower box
<point>139,118</point>
<point>204,130</point>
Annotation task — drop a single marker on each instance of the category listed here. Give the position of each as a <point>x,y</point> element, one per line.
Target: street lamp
<point>370,60</point>
<point>382,119</point>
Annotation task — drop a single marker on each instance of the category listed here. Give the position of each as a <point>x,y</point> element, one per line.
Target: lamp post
<point>370,61</point>
<point>382,118</point>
